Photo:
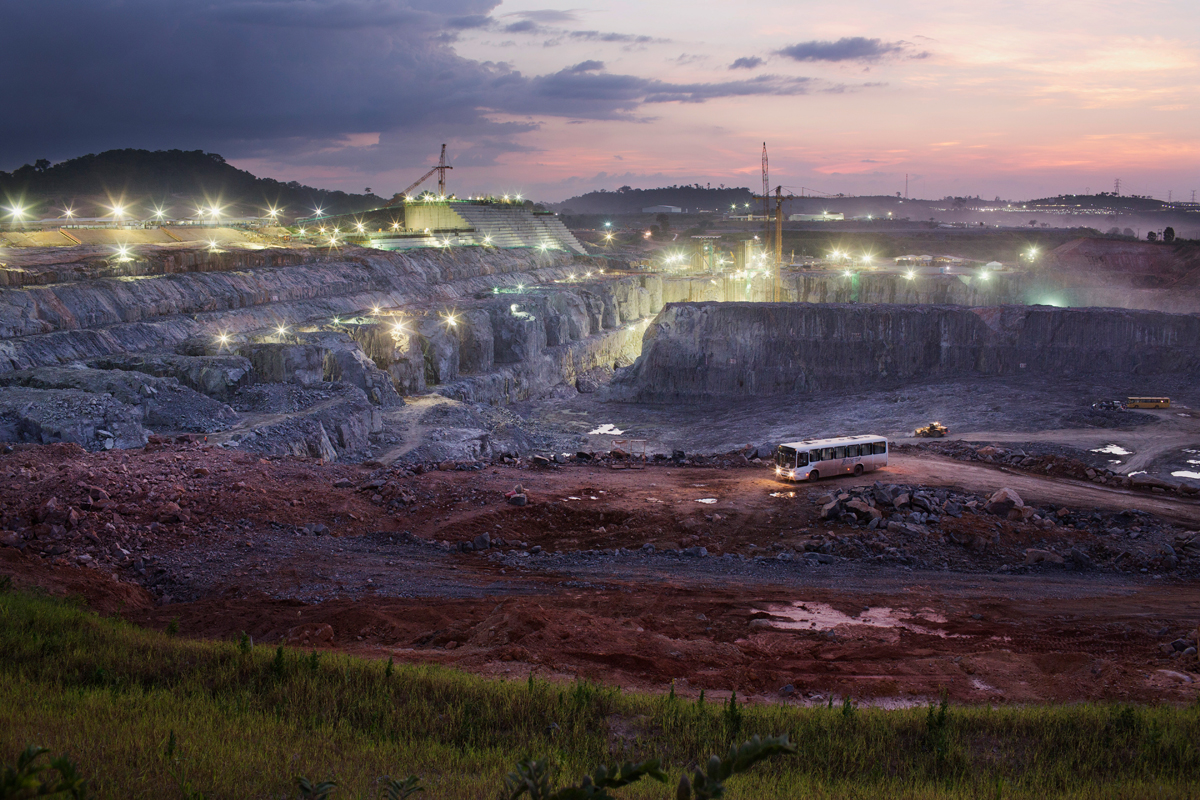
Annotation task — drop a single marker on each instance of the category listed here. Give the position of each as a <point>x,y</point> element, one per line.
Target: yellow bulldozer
<point>932,430</point>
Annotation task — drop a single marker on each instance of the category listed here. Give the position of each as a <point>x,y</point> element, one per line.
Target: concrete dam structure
<point>706,351</point>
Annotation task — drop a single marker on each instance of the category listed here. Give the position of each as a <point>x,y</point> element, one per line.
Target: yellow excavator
<point>932,430</point>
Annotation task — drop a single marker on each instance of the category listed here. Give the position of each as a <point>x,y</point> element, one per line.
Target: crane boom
<point>441,168</point>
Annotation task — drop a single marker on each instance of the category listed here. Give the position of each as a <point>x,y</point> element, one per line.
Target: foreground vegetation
<point>145,714</point>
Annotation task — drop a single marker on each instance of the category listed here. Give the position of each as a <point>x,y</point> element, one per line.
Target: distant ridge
<point>631,201</point>
<point>174,178</point>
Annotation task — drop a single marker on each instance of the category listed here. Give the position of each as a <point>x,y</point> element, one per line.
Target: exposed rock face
<point>708,350</point>
<point>162,403</point>
<point>218,376</point>
<point>350,365</point>
<point>303,364</point>
<point>93,421</point>
<point>93,318</point>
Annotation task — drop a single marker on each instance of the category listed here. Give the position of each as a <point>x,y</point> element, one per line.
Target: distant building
<point>823,217</point>
<point>662,210</point>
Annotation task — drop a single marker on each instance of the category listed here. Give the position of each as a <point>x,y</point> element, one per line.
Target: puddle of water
<point>1112,449</point>
<point>1193,452</point>
<point>607,429</point>
<point>822,617</point>
<point>1139,472</point>
<point>1183,473</point>
<point>1193,463</point>
<point>707,500</point>
<point>793,494</point>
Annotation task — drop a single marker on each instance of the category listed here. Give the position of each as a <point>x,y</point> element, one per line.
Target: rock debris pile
<point>919,526</point>
<point>1062,466</point>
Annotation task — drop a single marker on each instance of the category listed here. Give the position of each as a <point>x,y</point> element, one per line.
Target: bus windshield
<point>785,457</point>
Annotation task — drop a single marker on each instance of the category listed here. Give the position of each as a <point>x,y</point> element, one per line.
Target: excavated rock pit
<point>301,351</point>
<point>699,352</point>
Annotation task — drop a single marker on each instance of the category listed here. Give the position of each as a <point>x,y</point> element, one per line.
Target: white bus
<point>811,459</point>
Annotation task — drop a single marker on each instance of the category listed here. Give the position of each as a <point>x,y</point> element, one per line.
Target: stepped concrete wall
<point>696,352</point>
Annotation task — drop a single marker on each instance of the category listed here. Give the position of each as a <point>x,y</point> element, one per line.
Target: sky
<point>995,98</point>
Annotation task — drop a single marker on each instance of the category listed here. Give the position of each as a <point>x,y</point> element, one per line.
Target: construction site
<point>455,431</point>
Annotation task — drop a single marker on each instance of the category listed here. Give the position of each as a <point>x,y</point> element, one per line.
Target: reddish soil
<point>226,532</point>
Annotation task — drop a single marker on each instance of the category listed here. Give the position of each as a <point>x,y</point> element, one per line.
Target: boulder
<point>863,511</point>
<point>1035,556</point>
<point>1003,501</point>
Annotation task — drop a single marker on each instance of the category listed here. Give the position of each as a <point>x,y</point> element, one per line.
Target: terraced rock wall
<point>93,318</point>
<point>696,352</point>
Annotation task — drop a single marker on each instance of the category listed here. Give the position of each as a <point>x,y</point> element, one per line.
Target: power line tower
<point>1117,187</point>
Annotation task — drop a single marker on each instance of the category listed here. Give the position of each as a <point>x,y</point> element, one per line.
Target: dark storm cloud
<point>293,81</point>
<point>523,26</point>
<point>623,38</point>
<point>750,62</point>
<point>470,21</point>
<point>620,95</point>
<point>851,48</point>
<point>546,15</point>
<point>587,66</point>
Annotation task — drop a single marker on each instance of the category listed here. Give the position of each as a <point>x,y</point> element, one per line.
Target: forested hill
<point>631,201</point>
<point>173,178</point>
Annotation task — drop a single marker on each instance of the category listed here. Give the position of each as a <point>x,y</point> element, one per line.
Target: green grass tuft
<point>146,715</point>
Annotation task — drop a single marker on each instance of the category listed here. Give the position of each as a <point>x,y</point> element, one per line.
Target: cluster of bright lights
<point>910,274</point>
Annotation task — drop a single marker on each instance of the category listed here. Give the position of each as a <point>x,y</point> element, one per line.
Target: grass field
<point>248,720</point>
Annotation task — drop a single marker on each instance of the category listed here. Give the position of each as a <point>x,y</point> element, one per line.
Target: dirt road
<point>717,578</point>
<point>935,471</point>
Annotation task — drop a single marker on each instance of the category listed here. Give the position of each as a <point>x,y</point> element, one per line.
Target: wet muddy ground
<point>623,575</point>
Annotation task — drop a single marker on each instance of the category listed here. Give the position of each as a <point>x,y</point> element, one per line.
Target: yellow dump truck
<point>932,430</point>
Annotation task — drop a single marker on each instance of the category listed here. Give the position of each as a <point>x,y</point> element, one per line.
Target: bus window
<point>880,448</point>
<point>839,452</point>
<point>802,459</point>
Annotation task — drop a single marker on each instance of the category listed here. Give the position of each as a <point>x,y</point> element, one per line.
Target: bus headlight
<point>779,470</point>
